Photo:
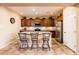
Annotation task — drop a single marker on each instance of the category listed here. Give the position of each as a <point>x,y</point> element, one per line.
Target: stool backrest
<point>46,35</point>
<point>34,36</point>
<point>22,36</point>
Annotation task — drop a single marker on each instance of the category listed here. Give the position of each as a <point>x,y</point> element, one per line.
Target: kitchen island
<point>40,37</point>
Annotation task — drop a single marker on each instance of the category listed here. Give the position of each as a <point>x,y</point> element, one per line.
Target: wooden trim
<point>36,4</point>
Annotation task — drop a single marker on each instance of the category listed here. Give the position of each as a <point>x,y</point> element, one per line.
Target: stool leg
<point>22,45</point>
<point>37,46</point>
<point>32,45</point>
<point>48,45</point>
<point>43,45</point>
<point>27,45</point>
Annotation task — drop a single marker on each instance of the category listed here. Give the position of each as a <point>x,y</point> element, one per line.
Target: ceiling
<point>36,10</point>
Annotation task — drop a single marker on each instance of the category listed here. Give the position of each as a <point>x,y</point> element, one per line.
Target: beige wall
<point>8,30</point>
<point>77,30</point>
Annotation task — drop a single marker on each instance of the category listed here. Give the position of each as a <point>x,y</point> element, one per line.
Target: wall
<point>77,30</point>
<point>7,30</point>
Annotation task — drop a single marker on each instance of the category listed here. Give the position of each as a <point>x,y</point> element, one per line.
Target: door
<point>69,32</point>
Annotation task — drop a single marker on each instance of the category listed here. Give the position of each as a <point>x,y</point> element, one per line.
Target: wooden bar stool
<point>23,40</point>
<point>34,39</point>
<point>46,37</point>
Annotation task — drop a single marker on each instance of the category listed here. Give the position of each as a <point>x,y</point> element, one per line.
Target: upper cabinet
<point>41,22</point>
<point>23,22</point>
<point>47,22</point>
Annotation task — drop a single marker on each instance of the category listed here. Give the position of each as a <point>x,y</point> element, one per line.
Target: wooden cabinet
<point>28,22</point>
<point>42,22</point>
<point>53,34</point>
<point>23,22</point>
<point>32,22</point>
<point>47,22</point>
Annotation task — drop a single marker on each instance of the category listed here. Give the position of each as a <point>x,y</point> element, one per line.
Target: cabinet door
<point>28,22</point>
<point>22,22</point>
<point>32,22</point>
<point>69,27</point>
<point>42,22</point>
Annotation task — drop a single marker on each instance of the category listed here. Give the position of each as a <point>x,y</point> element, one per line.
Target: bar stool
<point>23,40</point>
<point>34,39</point>
<point>46,37</point>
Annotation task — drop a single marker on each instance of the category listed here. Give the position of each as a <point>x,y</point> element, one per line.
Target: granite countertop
<point>37,31</point>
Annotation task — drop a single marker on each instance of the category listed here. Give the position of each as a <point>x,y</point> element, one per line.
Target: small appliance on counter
<point>37,24</point>
<point>37,29</point>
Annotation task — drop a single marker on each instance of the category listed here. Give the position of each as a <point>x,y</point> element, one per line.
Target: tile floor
<point>57,49</point>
